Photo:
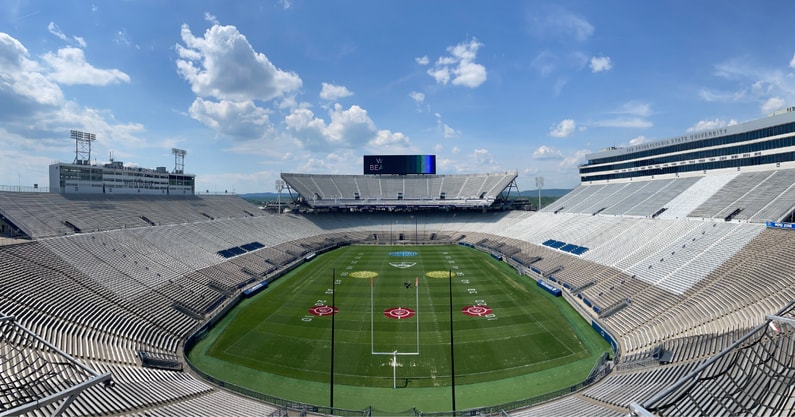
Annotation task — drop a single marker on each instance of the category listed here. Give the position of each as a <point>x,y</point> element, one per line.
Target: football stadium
<point>661,285</point>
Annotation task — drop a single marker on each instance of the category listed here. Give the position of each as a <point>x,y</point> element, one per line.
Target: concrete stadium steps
<point>107,306</point>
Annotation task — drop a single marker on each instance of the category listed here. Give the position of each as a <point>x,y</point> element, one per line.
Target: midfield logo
<point>403,265</point>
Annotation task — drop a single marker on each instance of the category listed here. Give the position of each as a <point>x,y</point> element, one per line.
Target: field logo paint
<point>323,311</point>
<point>399,313</point>
<point>403,253</point>
<point>363,274</point>
<point>403,265</point>
<point>477,311</point>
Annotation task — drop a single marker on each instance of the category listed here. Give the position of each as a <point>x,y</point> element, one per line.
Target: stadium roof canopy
<point>408,191</point>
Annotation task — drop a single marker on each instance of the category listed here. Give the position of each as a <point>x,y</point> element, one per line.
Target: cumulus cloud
<point>422,60</point>
<point>22,78</point>
<point>333,92</point>
<point>710,124</point>
<point>599,64</point>
<point>417,97</point>
<point>70,67</point>
<point>347,128</point>
<point>238,119</point>
<point>792,62</point>
<point>563,129</point>
<point>460,67</point>
<point>772,104</point>
<point>547,152</point>
<point>223,64</point>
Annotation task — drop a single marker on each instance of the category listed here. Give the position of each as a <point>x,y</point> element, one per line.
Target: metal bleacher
<point>694,284</point>
<point>470,190</point>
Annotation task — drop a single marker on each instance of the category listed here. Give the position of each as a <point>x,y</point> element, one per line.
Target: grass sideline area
<point>512,340</point>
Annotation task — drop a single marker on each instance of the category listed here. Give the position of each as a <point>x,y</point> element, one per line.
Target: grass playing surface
<point>511,340</point>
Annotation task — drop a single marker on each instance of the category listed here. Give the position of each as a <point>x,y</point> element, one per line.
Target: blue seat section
<point>548,287</point>
<point>565,247</point>
<point>239,250</point>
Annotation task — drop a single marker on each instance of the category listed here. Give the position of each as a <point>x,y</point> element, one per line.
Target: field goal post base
<point>394,356</point>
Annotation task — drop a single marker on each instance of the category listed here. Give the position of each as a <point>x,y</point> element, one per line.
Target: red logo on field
<point>399,313</point>
<point>323,310</point>
<point>477,311</point>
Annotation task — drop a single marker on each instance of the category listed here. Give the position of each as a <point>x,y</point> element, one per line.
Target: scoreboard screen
<point>399,164</point>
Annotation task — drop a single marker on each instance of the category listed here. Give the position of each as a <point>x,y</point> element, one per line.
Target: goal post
<point>394,353</point>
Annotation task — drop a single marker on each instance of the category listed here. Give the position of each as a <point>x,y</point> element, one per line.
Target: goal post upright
<point>395,353</point>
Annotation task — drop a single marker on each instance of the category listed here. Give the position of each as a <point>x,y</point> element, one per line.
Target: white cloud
<point>210,18</point>
<point>574,160</point>
<point>460,67</point>
<point>792,62</point>
<point>483,156</point>
<point>710,124</point>
<point>35,118</point>
<point>547,152</point>
<point>559,23</point>
<point>721,96</point>
<point>625,122</point>
<point>70,67</point>
<point>55,30</point>
<point>121,37</point>
<point>237,119</point>
<point>224,65</point>
<point>447,131</point>
<point>417,97</point>
<point>347,128</point>
<point>599,64</point>
<point>331,92</point>
<point>385,138</point>
<point>545,62</point>
<point>631,115</point>
<point>422,60</point>
<point>23,80</point>
<point>638,140</point>
<point>766,86</point>
<point>772,104</point>
<point>563,129</point>
<point>635,108</point>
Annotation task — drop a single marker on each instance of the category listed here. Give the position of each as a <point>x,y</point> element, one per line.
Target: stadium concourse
<point>694,291</point>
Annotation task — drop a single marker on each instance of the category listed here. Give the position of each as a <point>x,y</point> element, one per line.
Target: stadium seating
<point>690,281</point>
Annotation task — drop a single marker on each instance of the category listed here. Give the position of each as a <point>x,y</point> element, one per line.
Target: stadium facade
<point>115,178</point>
<point>763,144</point>
<point>687,268</point>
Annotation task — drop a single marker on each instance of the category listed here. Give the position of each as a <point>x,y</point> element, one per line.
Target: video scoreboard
<point>399,164</point>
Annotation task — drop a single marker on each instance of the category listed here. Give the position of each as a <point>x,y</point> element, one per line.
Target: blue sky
<point>255,88</point>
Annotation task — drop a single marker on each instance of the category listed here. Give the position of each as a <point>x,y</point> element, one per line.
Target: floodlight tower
<point>539,185</point>
<point>280,184</point>
<point>179,160</point>
<point>82,146</point>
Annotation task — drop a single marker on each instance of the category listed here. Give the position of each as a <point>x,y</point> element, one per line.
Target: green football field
<point>391,326</point>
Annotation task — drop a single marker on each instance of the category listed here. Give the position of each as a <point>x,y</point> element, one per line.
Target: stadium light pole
<point>452,351</point>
